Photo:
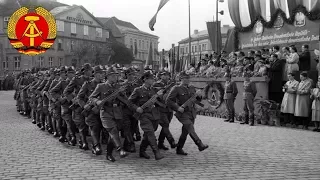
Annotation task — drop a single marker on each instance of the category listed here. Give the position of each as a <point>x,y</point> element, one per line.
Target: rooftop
<point>204,33</point>
<point>8,7</point>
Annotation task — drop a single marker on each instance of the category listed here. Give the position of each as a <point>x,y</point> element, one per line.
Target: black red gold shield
<point>32,32</point>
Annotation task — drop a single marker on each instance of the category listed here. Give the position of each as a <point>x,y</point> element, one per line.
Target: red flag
<point>154,18</point>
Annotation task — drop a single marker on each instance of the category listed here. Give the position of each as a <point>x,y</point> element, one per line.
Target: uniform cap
<point>86,67</point>
<point>147,75</point>
<point>70,70</point>
<point>98,69</point>
<point>112,70</point>
<point>183,75</point>
<point>129,71</point>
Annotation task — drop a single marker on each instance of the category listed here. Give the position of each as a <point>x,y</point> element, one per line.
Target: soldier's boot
<point>245,120</point>
<point>62,132</point>
<point>232,118</point>
<point>72,139</point>
<point>117,144</point>
<point>110,147</point>
<point>85,145</point>
<point>180,145</point>
<point>197,140</point>
<point>251,120</point>
<point>138,135</point>
<point>104,136</point>
<point>143,147</point>
<point>55,128</point>
<point>162,146</point>
<point>38,119</point>
<point>129,145</point>
<point>43,122</point>
<point>154,147</point>
<point>80,141</point>
<point>96,149</point>
<point>172,143</point>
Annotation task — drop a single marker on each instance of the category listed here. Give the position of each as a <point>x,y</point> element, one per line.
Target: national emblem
<point>32,32</point>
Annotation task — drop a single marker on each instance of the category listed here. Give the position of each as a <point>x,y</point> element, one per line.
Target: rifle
<point>192,100</point>
<point>95,108</point>
<point>74,103</point>
<point>152,100</point>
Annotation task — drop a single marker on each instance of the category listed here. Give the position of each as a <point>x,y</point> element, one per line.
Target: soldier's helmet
<point>129,71</point>
<point>147,75</point>
<point>97,69</point>
<point>86,67</point>
<point>63,69</point>
<point>70,70</point>
<point>112,70</point>
<point>184,75</point>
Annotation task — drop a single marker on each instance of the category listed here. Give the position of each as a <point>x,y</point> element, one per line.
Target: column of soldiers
<point>95,102</point>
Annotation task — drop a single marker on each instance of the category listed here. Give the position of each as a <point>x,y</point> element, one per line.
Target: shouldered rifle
<point>192,100</point>
<point>152,100</point>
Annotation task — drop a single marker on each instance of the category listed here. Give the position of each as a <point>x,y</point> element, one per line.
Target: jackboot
<point>117,144</point>
<point>96,149</point>
<point>232,118</point>
<point>72,140</point>
<point>143,147</point>
<point>154,147</point>
<point>172,143</point>
<point>251,119</point>
<point>245,120</point>
<point>162,146</point>
<point>85,145</point>
<point>201,146</point>
<point>110,147</point>
<point>128,144</point>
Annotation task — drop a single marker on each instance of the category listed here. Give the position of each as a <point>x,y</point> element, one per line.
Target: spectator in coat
<point>304,58</point>
<point>317,53</point>
<point>302,107</point>
<point>275,74</point>
<point>315,96</point>
<point>293,60</point>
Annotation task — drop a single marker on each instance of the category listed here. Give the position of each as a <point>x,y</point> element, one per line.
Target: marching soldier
<point>36,100</point>
<point>149,117</point>
<point>230,94</point>
<point>54,107</point>
<point>93,119</point>
<point>66,114</point>
<point>70,92</point>
<point>40,110</point>
<point>249,93</point>
<point>25,82</point>
<point>129,122</point>
<point>166,114</point>
<point>46,101</point>
<point>178,99</point>
<point>111,111</point>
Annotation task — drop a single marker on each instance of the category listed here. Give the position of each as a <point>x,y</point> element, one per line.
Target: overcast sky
<point>172,21</point>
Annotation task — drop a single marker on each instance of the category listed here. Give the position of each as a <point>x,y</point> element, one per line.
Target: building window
<point>41,61</point>
<point>192,48</point>
<point>131,42</point>
<point>85,30</point>
<point>199,48</point>
<point>73,28</point>
<point>5,22</point>
<point>107,35</point>
<point>139,44</point>
<point>59,44</point>
<point>205,47</point>
<point>60,25</point>
<point>17,61</point>
<point>99,32</point>
<point>143,44</point>
<point>195,48</point>
<point>72,46</point>
<point>50,61</point>
<point>147,45</point>
<point>60,62</point>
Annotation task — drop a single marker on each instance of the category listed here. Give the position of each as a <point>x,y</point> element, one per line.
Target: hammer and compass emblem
<point>32,31</point>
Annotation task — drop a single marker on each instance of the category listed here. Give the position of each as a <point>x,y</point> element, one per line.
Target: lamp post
<point>217,14</point>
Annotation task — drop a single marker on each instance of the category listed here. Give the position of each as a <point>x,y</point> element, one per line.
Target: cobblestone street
<point>235,152</point>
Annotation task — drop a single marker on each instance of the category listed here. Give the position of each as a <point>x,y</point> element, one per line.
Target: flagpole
<point>189,35</point>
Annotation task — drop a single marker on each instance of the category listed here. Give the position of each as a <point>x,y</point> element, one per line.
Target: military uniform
<point>249,93</point>
<point>25,81</point>
<point>54,110</point>
<point>230,94</point>
<point>110,114</point>
<point>70,92</point>
<point>166,115</point>
<point>66,114</point>
<point>93,119</point>
<point>130,124</point>
<point>40,107</point>
<point>35,98</point>
<point>149,119</point>
<point>178,95</point>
